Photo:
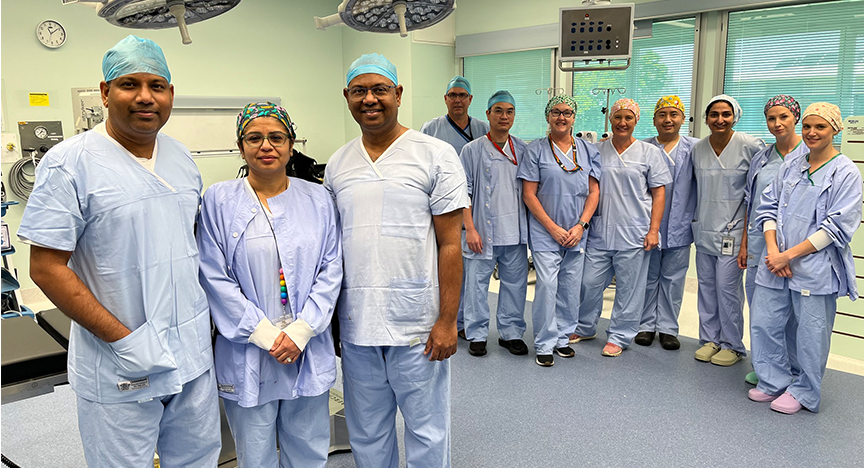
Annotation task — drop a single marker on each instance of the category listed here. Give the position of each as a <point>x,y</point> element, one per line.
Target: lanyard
<point>500,150</point>
<point>573,143</point>
<point>467,136</point>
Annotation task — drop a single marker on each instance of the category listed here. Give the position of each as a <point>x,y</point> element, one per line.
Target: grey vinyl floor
<point>647,408</point>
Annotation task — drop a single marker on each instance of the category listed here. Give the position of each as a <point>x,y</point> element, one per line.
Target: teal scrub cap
<point>500,96</point>
<point>372,63</point>
<point>458,82</point>
<point>134,55</point>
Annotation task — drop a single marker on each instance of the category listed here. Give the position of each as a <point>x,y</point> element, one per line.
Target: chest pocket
<point>405,213</point>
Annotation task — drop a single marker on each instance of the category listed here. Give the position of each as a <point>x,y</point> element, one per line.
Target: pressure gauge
<point>51,34</point>
<point>41,132</point>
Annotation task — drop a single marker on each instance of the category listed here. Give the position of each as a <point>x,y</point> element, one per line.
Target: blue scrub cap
<point>134,55</point>
<point>459,82</point>
<point>500,96</point>
<point>372,63</point>
<point>736,108</point>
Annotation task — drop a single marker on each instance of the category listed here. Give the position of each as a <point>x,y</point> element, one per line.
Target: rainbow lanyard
<point>283,321</point>
<point>554,153</point>
<point>509,142</point>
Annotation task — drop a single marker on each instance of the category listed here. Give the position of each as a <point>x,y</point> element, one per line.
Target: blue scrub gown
<point>499,217</point>
<point>667,265</point>
<point>802,203</point>
<point>240,272</point>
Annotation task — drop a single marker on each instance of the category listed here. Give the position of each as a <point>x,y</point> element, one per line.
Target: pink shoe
<point>786,404</point>
<point>574,338</point>
<point>612,350</point>
<point>760,396</point>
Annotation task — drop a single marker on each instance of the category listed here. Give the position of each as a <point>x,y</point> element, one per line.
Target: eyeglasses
<point>459,96</point>
<point>498,111</point>
<point>557,113</point>
<point>358,92</point>
<point>256,139</point>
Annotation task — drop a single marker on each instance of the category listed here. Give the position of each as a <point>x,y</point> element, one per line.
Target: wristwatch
<point>583,224</point>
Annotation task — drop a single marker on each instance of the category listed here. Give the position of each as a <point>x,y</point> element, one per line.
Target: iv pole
<point>608,92</point>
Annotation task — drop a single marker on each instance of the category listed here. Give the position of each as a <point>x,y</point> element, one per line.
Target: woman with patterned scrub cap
<point>808,215</point>
<point>560,187</point>
<point>782,113</point>
<point>625,229</point>
<point>271,264</point>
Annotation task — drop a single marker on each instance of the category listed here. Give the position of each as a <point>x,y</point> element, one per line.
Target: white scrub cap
<point>736,108</point>
<point>134,55</point>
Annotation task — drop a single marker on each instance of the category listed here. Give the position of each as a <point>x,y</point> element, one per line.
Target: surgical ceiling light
<point>158,14</point>
<point>388,16</point>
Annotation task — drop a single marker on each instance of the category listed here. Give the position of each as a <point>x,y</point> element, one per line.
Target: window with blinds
<point>813,52</point>
<point>660,65</point>
<point>520,73</point>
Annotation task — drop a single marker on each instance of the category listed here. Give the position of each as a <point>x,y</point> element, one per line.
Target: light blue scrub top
<point>440,128</point>
<point>131,234</point>
<point>496,195</point>
<point>561,193</point>
<point>720,183</point>
<point>675,229</point>
<point>240,273</point>
<point>623,216</point>
<point>801,204</point>
<point>763,170</point>
<point>390,294</point>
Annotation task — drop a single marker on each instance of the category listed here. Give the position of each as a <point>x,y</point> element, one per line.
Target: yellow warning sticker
<point>39,100</point>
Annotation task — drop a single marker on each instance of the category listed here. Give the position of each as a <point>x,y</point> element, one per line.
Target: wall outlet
<point>9,156</point>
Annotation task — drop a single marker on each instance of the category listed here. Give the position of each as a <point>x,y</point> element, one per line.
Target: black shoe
<point>545,360</point>
<point>565,352</point>
<point>461,334</point>
<point>644,338</point>
<point>669,342</point>
<point>477,348</point>
<point>517,347</point>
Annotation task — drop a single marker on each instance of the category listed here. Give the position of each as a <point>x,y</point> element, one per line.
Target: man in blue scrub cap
<point>400,196</point>
<point>110,223</point>
<point>496,230</point>
<point>457,128</point>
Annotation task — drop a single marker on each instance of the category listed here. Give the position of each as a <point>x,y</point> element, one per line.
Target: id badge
<point>728,245</point>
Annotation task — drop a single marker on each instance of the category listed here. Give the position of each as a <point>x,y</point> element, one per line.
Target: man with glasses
<point>457,128</point>
<point>111,227</point>
<point>400,196</point>
<point>496,230</point>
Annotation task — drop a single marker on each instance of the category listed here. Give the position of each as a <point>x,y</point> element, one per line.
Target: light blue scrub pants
<point>720,301</point>
<point>377,379</point>
<point>664,290</point>
<point>512,263</point>
<point>184,428</point>
<point>791,324</point>
<point>302,425</point>
<point>815,317</point>
<point>556,297</point>
<point>630,269</point>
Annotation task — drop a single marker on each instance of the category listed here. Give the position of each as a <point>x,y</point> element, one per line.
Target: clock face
<point>51,34</point>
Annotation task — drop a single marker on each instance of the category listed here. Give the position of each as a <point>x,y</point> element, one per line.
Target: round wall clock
<point>51,34</point>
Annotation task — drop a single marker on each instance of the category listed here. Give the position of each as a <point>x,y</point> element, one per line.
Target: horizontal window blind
<point>520,73</point>
<point>813,52</point>
<point>660,65</point>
